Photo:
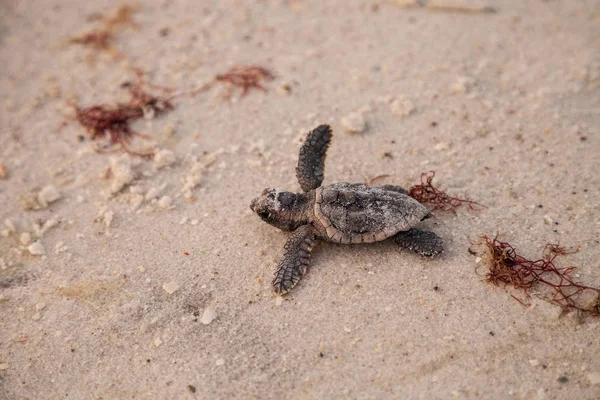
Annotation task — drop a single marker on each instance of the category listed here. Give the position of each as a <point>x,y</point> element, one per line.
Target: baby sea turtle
<point>341,213</point>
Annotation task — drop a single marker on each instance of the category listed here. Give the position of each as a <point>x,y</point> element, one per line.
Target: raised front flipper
<point>295,260</point>
<point>423,242</point>
<point>311,161</point>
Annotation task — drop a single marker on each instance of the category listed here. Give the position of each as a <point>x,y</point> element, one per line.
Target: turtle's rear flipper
<point>295,260</point>
<point>423,242</point>
<point>311,161</point>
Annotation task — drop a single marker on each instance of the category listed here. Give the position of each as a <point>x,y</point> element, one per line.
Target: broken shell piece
<point>208,316</point>
<point>49,194</point>
<point>36,249</point>
<point>171,287</point>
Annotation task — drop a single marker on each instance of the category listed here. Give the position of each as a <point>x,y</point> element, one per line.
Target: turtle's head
<point>278,208</point>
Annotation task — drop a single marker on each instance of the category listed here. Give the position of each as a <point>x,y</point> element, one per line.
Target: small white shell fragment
<point>463,84</point>
<point>171,287</point>
<point>156,342</point>
<point>347,330</point>
<point>60,248</point>
<point>194,222</point>
<point>402,107</point>
<point>164,158</point>
<point>49,194</point>
<point>354,123</point>
<point>122,173</point>
<point>108,218</point>
<point>36,249</point>
<point>51,223</point>
<point>208,316</point>
<point>165,202</point>
<point>220,362</point>
<point>442,146</point>
<point>278,301</point>
<point>194,176</point>
<point>25,238</point>
<point>534,363</point>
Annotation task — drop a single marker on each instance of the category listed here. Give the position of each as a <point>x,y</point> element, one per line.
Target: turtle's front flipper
<point>295,259</point>
<point>394,188</point>
<point>311,161</point>
<point>423,242</point>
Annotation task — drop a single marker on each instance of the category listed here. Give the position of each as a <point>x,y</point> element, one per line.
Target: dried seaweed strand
<point>113,121</point>
<point>245,77</point>
<point>427,193</point>
<point>508,268</point>
<point>103,37</point>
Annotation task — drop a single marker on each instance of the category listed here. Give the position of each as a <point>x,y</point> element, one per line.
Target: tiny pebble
<point>36,316</point>
<point>194,222</point>
<point>164,158</point>
<point>4,366</point>
<point>347,330</point>
<point>354,123</point>
<point>108,218</point>
<point>165,202</point>
<point>171,287</point>
<point>278,301</point>
<point>25,238</point>
<point>462,84</point>
<point>442,146</point>
<point>36,249</point>
<point>156,342</point>
<point>40,306</point>
<point>220,362</point>
<point>534,363</point>
<point>547,219</point>
<point>208,316</point>
<point>402,107</point>
<point>51,223</point>
<point>48,194</point>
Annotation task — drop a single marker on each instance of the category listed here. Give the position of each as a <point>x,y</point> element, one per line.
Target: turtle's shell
<point>359,213</point>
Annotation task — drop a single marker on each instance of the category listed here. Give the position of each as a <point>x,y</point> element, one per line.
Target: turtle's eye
<point>286,199</point>
<point>264,215</point>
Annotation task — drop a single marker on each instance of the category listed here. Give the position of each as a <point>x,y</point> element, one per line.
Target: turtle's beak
<point>253,204</point>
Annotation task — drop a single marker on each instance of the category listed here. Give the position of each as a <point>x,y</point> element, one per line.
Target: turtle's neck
<point>303,207</point>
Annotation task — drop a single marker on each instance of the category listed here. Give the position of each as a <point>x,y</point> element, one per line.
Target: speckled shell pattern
<point>359,213</point>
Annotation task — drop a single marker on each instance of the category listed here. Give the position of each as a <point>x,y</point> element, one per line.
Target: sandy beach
<point>128,277</point>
